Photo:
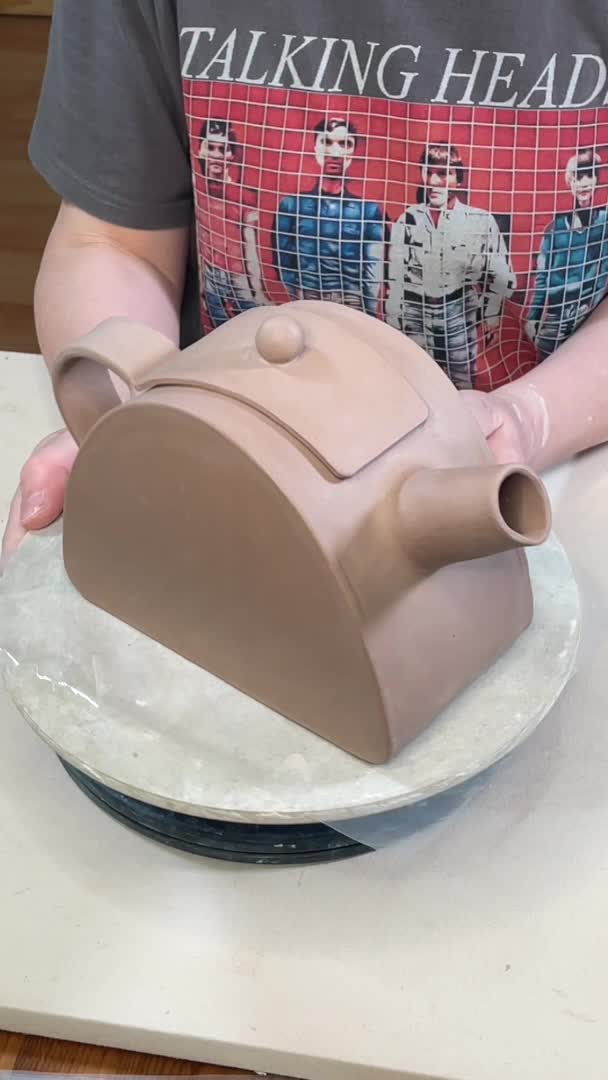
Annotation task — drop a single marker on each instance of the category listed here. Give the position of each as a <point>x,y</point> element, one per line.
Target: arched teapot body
<point>302,504</point>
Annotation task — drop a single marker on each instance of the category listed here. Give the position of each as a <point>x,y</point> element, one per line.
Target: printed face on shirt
<point>334,151</point>
<point>582,182</point>
<point>440,184</point>
<point>216,155</point>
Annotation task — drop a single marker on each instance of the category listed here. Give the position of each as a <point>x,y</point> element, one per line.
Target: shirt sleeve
<point>110,133</point>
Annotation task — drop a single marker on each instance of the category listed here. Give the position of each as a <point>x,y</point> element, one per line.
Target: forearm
<point>80,287</point>
<point>92,271</point>
<point>564,401</point>
<point>89,273</point>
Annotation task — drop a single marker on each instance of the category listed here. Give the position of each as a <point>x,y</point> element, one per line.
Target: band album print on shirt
<point>478,229</point>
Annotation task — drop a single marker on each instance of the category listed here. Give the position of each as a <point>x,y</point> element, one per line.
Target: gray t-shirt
<point>440,165</point>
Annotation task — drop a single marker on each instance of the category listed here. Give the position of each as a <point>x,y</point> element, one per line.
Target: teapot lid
<point>311,368</point>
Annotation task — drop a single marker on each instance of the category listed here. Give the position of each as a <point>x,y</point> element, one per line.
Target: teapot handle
<point>81,374</point>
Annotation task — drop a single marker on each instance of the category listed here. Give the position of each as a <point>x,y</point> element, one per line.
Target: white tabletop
<point>473,951</point>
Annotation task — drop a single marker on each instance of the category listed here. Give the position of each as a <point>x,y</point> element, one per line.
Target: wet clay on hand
<point>301,504</point>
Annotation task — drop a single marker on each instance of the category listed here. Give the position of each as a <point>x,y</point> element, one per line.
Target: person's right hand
<point>38,501</point>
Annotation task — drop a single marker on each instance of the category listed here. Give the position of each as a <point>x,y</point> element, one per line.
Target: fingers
<point>505,453</point>
<point>42,501</point>
<point>481,406</point>
<point>44,480</point>
<point>58,448</point>
<point>40,498</point>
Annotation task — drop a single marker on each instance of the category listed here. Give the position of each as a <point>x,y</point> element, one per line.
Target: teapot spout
<point>454,515</point>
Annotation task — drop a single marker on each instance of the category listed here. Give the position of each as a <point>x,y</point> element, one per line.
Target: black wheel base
<point>264,845</point>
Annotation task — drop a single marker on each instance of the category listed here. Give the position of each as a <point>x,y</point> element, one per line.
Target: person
<point>572,265</point>
<point>228,218</point>
<point>330,244</point>
<point>449,269</point>
<point>129,83</point>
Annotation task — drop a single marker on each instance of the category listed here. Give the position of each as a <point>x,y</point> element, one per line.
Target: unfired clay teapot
<point>302,504</point>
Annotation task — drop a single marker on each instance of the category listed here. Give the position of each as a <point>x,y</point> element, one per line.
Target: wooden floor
<point>24,1053</point>
<point>27,206</point>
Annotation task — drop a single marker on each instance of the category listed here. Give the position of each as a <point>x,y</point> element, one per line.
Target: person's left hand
<point>505,425</point>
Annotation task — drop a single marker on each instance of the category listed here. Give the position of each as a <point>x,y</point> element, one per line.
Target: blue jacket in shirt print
<point>332,244</point>
<point>328,243</point>
<point>572,265</point>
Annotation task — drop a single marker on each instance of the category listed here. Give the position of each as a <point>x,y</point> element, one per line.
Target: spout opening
<point>523,507</point>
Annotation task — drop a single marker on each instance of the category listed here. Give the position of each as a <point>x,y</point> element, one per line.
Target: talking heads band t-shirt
<point>438,166</point>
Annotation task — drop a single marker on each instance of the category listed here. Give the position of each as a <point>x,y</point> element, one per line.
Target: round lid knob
<point>280,339</point>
